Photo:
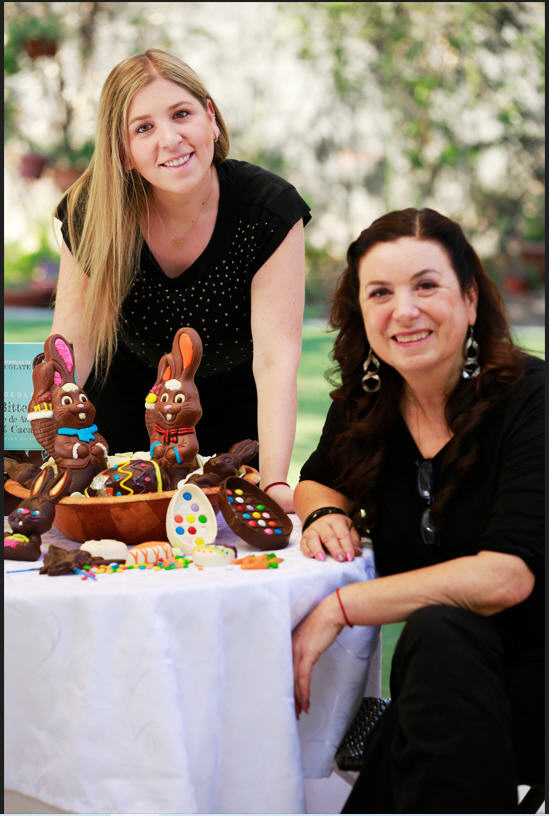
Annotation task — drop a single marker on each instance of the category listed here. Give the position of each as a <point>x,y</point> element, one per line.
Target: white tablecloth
<point>172,691</point>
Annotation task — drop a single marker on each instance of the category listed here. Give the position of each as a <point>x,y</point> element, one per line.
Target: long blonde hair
<point>106,204</point>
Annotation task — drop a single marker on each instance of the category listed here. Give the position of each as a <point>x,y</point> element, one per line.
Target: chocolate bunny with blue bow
<point>61,415</point>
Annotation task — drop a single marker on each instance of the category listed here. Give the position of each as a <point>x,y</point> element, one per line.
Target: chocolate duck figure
<point>172,408</point>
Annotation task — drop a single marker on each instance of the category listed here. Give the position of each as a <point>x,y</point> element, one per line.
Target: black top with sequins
<point>256,211</point>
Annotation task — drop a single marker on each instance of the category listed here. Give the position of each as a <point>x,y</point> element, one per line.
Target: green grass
<point>27,331</point>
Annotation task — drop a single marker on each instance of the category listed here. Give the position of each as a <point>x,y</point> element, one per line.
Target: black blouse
<point>257,209</point>
<point>500,506</point>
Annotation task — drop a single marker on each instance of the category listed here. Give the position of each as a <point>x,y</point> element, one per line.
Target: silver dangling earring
<point>371,381</point>
<point>471,366</point>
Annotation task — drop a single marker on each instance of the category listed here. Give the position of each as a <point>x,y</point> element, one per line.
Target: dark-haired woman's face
<point>415,315</point>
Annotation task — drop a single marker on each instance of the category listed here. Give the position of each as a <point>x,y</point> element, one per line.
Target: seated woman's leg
<point>444,745</point>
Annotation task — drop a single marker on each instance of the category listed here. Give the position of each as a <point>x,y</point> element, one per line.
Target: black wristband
<point>321,511</point>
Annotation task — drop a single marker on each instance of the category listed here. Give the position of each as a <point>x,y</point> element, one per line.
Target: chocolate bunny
<point>220,467</point>
<point>61,414</point>
<point>172,407</point>
<point>34,515</point>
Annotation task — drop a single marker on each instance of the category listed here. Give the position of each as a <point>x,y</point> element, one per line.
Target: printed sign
<point>18,389</point>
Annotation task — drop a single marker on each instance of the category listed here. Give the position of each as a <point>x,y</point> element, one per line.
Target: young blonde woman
<point>164,231</point>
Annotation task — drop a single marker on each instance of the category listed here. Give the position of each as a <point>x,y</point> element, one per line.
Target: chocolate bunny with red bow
<point>61,415</point>
<point>172,407</point>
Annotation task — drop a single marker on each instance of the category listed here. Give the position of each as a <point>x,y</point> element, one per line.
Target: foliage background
<point>365,107</point>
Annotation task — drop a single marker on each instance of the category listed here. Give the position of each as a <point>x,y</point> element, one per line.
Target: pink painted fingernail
<point>340,557</point>
<point>350,557</point>
<point>320,556</point>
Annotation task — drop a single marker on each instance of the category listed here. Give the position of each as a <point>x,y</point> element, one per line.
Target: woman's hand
<point>282,495</point>
<point>309,640</point>
<point>333,532</point>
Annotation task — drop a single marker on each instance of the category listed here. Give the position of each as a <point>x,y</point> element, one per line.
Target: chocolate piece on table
<point>59,561</point>
<point>253,516</point>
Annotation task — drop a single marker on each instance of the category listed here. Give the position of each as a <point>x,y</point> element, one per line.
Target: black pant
<point>465,725</point>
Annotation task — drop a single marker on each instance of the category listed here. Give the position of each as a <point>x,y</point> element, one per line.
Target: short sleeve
<point>61,214</point>
<point>272,205</point>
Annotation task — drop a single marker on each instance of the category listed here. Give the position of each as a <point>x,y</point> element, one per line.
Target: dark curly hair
<point>359,451</point>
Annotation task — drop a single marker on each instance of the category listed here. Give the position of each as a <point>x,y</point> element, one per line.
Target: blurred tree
<point>446,100</point>
<point>365,107</point>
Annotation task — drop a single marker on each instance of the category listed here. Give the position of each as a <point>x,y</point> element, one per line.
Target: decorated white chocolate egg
<point>213,555</point>
<point>190,520</point>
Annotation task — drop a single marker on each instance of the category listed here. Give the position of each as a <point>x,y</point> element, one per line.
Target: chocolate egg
<point>253,516</point>
<point>190,519</point>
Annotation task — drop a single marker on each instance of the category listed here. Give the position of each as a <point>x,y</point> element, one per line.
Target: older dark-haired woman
<point>433,446</point>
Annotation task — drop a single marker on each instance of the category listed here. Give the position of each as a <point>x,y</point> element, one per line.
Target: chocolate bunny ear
<point>59,352</point>
<point>183,360</point>
<point>245,450</point>
<point>49,485</point>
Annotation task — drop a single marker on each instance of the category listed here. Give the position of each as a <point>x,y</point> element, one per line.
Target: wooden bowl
<point>131,519</point>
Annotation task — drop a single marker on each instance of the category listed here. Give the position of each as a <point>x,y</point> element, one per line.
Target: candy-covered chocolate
<point>253,516</point>
<point>214,555</point>
<point>130,478</point>
<point>190,519</point>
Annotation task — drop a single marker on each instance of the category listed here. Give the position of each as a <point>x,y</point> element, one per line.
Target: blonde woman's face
<point>415,315</point>
<point>170,136</point>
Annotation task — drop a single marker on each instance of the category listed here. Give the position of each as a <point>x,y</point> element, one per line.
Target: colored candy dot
<point>191,518</point>
<point>202,519</point>
<point>229,492</point>
<point>268,531</point>
<point>278,531</point>
<point>187,495</point>
<point>262,523</point>
<point>272,524</point>
<point>191,530</point>
<point>178,518</point>
<point>200,541</point>
<point>246,515</point>
<point>179,530</point>
<point>249,507</point>
<point>147,478</point>
<point>195,507</point>
<point>240,500</point>
<point>266,515</point>
<point>261,507</point>
<point>256,515</point>
<point>252,523</point>
<point>118,494</point>
<point>238,491</point>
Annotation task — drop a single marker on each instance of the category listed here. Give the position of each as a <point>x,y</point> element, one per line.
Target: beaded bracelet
<point>264,489</point>
<point>321,511</point>
<point>345,618</point>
